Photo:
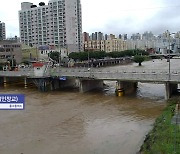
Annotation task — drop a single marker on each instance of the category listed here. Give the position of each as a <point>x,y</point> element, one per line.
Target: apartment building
<point>115,45</point>
<point>2,31</point>
<point>136,36</point>
<point>85,37</point>
<point>109,37</point>
<point>95,45</point>
<point>106,45</point>
<point>96,36</point>
<point>147,35</point>
<point>58,23</point>
<point>100,36</point>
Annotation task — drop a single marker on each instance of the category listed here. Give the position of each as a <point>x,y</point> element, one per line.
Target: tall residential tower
<point>59,23</point>
<point>2,31</point>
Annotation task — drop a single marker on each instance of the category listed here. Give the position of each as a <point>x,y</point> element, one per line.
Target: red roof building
<point>38,64</point>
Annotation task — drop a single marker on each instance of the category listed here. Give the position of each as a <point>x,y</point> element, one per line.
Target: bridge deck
<point>102,74</point>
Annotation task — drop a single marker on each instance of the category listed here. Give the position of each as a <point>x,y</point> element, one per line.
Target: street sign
<point>12,102</point>
<point>63,78</point>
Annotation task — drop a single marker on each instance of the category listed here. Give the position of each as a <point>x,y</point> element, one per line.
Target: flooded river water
<point>68,122</point>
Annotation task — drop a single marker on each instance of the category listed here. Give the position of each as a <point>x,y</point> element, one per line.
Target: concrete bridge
<point>171,55</point>
<point>89,79</point>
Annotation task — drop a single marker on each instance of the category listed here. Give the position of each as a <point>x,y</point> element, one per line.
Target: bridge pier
<point>123,87</point>
<point>119,88</point>
<point>25,82</point>
<point>68,83</point>
<point>41,83</point>
<point>87,85</point>
<point>170,88</point>
<point>1,80</point>
<point>5,81</point>
<point>54,84</point>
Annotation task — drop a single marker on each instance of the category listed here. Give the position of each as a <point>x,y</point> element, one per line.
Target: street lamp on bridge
<point>168,34</point>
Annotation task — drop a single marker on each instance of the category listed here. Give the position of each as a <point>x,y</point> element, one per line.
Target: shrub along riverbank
<point>164,138</point>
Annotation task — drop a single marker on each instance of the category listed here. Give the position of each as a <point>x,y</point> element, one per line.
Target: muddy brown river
<point>68,122</point>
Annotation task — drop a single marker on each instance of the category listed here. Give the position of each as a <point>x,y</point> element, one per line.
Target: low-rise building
<point>10,50</point>
<point>45,50</point>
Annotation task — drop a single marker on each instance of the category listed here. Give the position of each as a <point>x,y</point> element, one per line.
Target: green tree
<point>84,55</point>
<point>54,56</point>
<point>139,59</point>
<point>140,52</point>
<point>74,55</point>
<point>1,66</point>
<point>101,54</point>
<point>117,54</point>
<point>26,62</point>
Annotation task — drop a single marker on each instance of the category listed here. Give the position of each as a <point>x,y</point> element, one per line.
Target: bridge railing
<point>104,74</point>
<point>141,71</point>
<point>22,72</point>
<point>141,75</point>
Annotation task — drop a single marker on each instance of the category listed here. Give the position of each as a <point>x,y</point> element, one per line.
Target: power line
<point>151,8</point>
<point>136,9</point>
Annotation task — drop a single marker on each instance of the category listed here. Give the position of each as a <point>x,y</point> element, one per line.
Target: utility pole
<point>37,52</point>
<point>59,56</point>
<point>168,34</point>
<point>88,58</point>
<point>178,44</point>
<point>12,63</point>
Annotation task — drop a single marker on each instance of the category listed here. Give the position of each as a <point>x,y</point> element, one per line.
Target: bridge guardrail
<point>106,74</point>
<point>16,73</point>
<point>143,75</point>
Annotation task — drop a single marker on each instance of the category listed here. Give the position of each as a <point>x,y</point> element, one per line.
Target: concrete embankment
<point>165,136</point>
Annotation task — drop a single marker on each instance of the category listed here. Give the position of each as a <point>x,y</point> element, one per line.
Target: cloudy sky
<point>110,16</point>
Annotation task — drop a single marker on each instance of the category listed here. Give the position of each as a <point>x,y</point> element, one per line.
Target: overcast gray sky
<point>110,16</point>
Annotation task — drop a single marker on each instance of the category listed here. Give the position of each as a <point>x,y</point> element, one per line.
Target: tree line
<point>138,55</point>
<point>81,56</point>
